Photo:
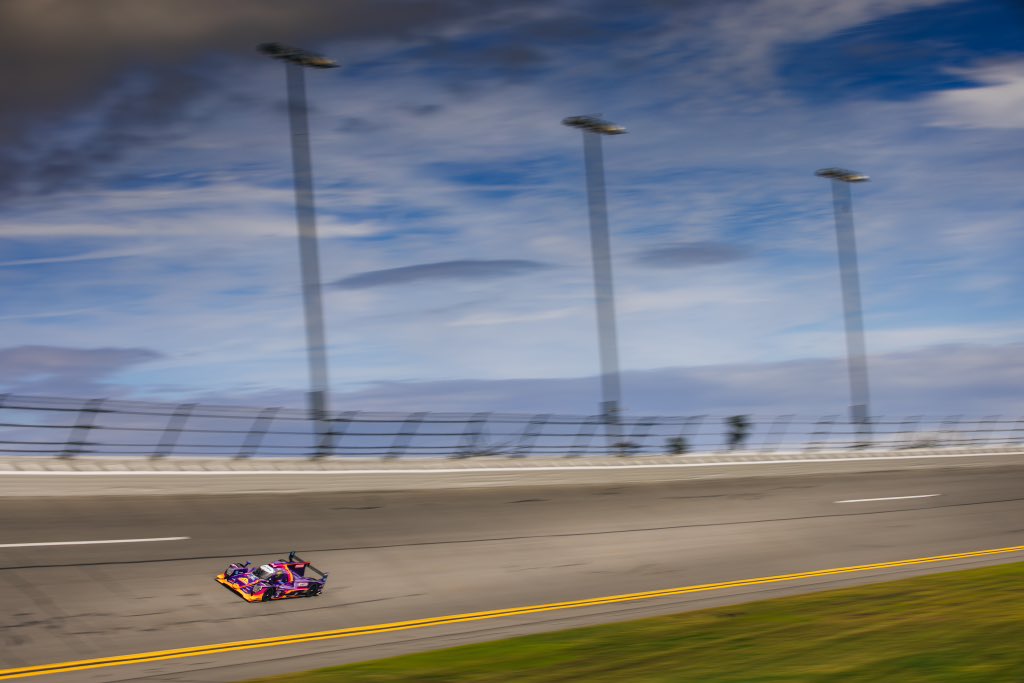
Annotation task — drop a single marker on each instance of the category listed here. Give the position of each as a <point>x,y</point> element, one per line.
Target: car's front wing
<point>257,594</point>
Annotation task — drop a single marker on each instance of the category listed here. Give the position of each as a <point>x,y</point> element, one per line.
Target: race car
<point>291,578</point>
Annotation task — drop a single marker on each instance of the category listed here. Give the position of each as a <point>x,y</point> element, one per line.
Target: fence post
<point>533,429</point>
<point>696,422</point>
<point>405,434</point>
<point>971,435</point>
<point>323,425</point>
<point>174,428</point>
<point>86,417</point>
<point>1016,433</point>
<point>472,436</point>
<point>256,432</point>
<point>909,429</point>
<point>641,428</point>
<point>990,420</point>
<point>584,436</point>
<point>342,423</point>
<point>948,429</point>
<point>778,430</point>
<point>828,420</point>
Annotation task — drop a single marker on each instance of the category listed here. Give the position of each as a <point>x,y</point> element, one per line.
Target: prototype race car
<point>291,578</point>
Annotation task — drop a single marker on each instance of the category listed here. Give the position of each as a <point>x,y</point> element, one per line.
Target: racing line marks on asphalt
<point>871,500</point>
<point>217,648</point>
<point>114,540</point>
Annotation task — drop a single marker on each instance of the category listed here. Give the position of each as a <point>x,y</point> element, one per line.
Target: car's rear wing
<point>294,557</point>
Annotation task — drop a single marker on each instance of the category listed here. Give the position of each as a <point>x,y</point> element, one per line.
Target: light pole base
<point>859,417</point>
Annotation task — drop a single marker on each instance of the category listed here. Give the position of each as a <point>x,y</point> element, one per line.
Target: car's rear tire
<point>314,590</point>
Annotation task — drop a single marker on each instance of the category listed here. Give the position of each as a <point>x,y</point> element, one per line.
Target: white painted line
<point>487,470</point>
<point>116,540</point>
<point>871,500</point>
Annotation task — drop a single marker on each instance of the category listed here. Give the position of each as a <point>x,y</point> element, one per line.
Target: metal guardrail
<point>66,427</point>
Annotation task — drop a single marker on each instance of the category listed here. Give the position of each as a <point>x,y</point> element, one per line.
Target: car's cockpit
<point>266,572</point>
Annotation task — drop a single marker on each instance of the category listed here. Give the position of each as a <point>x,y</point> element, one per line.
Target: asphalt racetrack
<point>396,555</point>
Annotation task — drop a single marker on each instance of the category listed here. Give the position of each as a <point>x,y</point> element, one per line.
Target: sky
<point>147,224</point>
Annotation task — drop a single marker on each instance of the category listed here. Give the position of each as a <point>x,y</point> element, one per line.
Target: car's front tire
<point>268,594</point>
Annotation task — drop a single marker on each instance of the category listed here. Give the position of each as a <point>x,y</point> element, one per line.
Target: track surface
<point>397,555</point>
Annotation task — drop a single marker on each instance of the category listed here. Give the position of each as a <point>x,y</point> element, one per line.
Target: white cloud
<point>996,102</point>
<point>478,319</point>
<point>911,337</point>
<point>59,370</point>
<point>51,314</point>
<point>99,255</point>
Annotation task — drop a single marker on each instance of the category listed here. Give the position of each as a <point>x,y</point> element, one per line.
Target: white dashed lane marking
<point>114,540</point>
<point>871,500</point>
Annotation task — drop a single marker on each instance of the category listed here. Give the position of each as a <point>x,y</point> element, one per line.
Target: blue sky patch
<point>904,55</point>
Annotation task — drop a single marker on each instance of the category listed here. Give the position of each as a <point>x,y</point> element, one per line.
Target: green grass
<point>961,626</point>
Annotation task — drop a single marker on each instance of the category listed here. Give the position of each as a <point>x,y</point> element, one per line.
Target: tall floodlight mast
<point>594,128</point>
<point>856,353</point>
<point>296,60</point>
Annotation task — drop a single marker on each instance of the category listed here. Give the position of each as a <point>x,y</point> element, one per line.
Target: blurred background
<point>148,233</point>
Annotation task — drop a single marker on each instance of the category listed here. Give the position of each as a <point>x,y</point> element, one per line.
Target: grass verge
<point>965,626</point>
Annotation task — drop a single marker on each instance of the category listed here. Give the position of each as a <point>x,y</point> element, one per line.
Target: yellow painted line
<point>218,648</point>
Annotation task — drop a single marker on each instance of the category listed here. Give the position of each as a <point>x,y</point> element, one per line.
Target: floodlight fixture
<point>842,174</point>
<point>297,55</point>
<point>594,124</point>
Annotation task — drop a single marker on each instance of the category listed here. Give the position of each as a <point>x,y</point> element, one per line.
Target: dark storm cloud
<point>445,270</point>
<point>64,57</point>
<point>61,371</point>
<point>60,51</point>
<point>691,254</point>
<point>509,58</point>
<point>130,122</point>
<point>57,56</point>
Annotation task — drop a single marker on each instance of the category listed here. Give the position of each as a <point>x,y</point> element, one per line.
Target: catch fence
<point>41,426</point>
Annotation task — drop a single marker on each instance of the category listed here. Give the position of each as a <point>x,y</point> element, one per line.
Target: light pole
<point>295,60</point>
<point>857,364</point>
<point>593,128</point>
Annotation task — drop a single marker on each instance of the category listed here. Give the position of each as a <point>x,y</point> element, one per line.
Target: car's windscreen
<point>264,572</point>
